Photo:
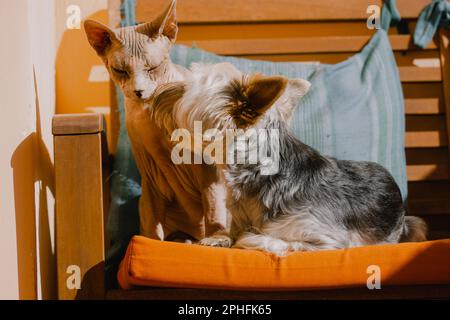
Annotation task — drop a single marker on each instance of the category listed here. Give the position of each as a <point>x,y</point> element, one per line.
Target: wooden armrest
<point>73,124</point>
<point>81,200</point>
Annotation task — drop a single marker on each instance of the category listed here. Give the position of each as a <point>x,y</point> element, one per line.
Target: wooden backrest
<point>330,31</point>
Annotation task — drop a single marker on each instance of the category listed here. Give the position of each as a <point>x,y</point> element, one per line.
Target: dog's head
<point>221,97</point>
<point>136,57</point>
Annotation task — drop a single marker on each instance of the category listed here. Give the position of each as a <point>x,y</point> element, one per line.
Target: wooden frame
<point>82,159</point>
<point>80,152</point>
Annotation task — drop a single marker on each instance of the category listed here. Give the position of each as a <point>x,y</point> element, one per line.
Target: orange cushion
<point>167,264</point>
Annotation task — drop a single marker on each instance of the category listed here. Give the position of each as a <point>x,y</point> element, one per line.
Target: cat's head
<point>138,57</point>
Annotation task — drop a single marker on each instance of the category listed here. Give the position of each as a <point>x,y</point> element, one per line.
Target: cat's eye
<point>120,72</point>
<point>153,68</point>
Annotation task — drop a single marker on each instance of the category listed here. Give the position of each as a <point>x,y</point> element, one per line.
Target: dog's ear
<point>298,88</point>
<point>254,96</point>
<point>165,24</point>
<point>100,36</point>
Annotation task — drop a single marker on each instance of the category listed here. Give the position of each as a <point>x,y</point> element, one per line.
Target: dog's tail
<point>414,230</point>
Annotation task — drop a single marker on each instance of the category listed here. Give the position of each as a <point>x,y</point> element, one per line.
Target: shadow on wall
<point>33,175</point>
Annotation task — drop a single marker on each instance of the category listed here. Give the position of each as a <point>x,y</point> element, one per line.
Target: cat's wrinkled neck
<point>135,109</point>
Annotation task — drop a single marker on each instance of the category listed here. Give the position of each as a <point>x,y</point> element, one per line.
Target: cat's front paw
<point>222,241</point>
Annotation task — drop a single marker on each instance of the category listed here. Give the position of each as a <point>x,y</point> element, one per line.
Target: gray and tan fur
<point>186,199</point>
<point>313,202</point>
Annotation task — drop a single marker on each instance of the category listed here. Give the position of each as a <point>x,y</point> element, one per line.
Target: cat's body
<point>175,198</point>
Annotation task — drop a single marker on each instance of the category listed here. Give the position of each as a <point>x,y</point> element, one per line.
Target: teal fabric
<point>123,217</point>
<point>433,16</point>
<point>436,14</point>
<point>389,14</point>
<point>128,13</point>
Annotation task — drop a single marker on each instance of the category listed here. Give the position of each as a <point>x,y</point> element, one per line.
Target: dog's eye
<point>120,72</point>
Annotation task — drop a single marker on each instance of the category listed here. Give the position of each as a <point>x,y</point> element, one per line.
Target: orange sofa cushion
<point>167,264</point>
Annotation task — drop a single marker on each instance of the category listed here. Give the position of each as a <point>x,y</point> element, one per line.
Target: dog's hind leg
<point>262,242</point>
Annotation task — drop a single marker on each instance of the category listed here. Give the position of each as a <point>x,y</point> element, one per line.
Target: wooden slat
<point>423,106</point>
<point>215,11</point>
<point>429,197</point>
<point>276,30</point>
<point>444,39</point>
<point>273,30</point>
<point>407,58</point>
<point>416,74</point>
<point>330,58</point>
<point>423,98</point>
<point>427,164</point>
<point>296,45</point>
<point>425,139</point>
<point>79,214</point>
<point>428,172</point>
<point>426,131</point>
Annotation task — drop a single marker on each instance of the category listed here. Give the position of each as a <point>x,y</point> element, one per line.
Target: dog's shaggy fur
<point>313,202</point>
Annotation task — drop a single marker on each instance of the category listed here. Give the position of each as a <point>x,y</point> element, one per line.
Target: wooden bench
<point>328,31</point>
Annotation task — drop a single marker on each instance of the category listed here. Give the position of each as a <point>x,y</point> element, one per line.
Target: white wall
<point>27,31</point>
<point>31,34</point>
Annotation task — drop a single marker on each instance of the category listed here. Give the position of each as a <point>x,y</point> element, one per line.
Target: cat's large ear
<point>254,96</point>
<point>100,36</point>
<point>165,24</point>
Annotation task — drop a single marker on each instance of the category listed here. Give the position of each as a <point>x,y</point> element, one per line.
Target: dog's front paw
<point>217,241</point>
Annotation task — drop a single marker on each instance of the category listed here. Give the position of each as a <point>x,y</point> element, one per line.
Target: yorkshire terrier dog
<point>310,202</point>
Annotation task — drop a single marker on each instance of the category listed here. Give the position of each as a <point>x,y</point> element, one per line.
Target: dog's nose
<point>139,93</point>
